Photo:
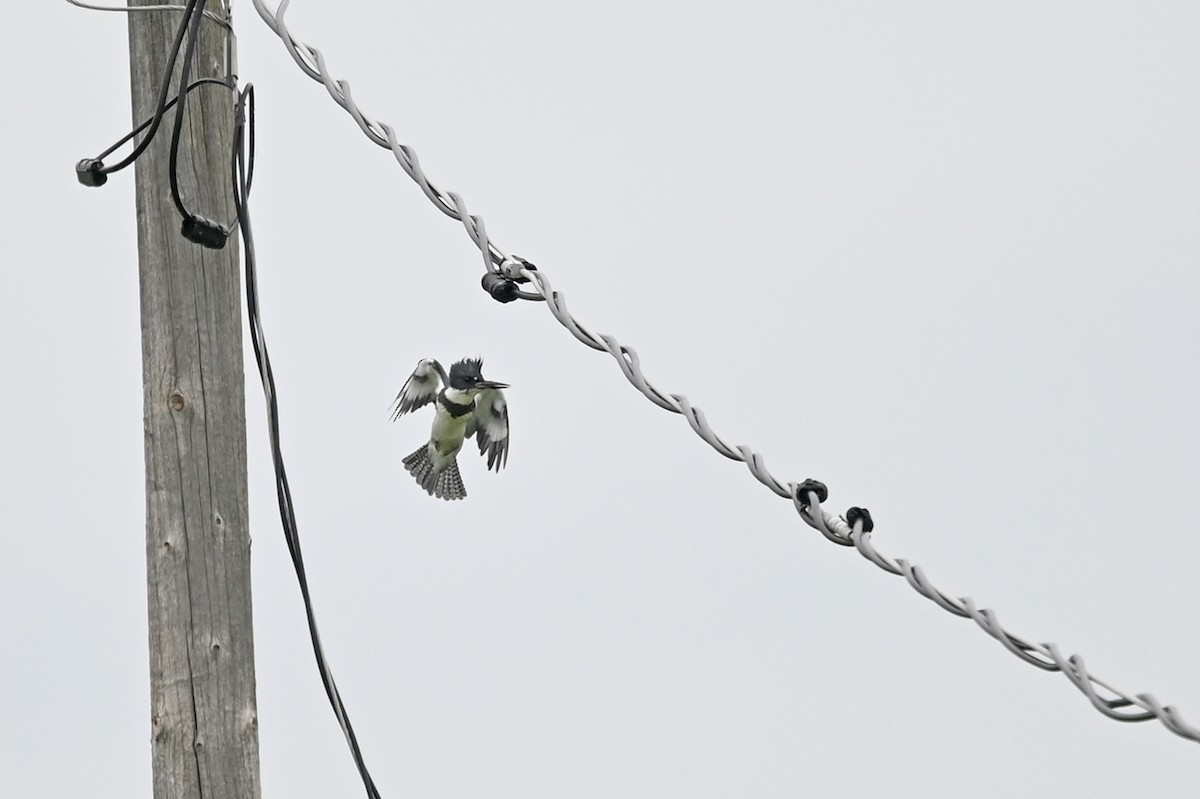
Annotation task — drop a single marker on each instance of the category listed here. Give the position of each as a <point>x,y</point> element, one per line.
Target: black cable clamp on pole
<point>90,172</point>
<point>205,232</point>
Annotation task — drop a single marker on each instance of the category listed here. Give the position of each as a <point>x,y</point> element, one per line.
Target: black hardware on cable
<point>503,288</point>
<point>500,287</point>
<point>243,175</point>
<point>855,514</point>
<point>815,486</point>
<point>90,172</point>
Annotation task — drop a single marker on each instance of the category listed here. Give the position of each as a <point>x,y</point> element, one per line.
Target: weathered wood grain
<point>204,721</point>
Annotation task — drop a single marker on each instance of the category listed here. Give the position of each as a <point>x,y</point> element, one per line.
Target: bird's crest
<point>467,367</point>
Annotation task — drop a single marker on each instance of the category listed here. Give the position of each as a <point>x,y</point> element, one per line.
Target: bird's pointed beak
<point>491,384</point>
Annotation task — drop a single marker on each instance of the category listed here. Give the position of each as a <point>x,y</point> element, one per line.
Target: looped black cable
<point>164,88</point>
<point>198,229</point>
<point>169,105</point>
<point>243,174</point>
<point>93,172</point>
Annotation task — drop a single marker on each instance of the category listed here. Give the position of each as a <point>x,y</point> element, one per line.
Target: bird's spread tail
<point>446,484</point>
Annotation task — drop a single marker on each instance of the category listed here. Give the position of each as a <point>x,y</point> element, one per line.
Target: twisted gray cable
<point>1115,704</point>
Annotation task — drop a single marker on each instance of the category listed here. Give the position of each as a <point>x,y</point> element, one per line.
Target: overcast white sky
<point>942,256</point>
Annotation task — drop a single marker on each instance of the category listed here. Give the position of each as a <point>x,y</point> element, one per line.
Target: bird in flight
<point>467,406</point>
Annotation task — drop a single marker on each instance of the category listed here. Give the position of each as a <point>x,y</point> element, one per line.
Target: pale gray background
<point>941,255</point>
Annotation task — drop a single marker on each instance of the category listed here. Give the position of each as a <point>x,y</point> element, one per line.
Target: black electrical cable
<point>92,171</point>
<point>163,89</point>
<point>243,174</point>
<point>189,54</point>
<point>149,121</point>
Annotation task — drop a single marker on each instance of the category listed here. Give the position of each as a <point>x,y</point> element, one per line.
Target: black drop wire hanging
<point>195,228</point>
<point>177,129</point>
<point>164,88</point>
<point>92,171</point>
<point>243,173</point>
<point>150,121</point>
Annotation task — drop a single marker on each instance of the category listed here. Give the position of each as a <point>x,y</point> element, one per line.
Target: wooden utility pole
<point>203,714</point>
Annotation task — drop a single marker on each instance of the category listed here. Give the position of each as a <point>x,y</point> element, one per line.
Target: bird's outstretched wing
<point>420,389</point>
<point>489,424</point>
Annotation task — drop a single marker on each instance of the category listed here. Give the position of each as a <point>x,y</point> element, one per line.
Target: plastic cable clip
<point>90,172</point>
<point>854,514</point>
<point>205,232</point>
<point>815,486</point>
<point>501,288</point>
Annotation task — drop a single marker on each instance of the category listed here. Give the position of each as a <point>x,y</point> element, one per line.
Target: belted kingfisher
<point>467,406</point>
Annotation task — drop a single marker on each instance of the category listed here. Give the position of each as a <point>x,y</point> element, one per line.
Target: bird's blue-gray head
<point>467,375</point>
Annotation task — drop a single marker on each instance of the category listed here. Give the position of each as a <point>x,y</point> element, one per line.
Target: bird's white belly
<point>447,438</point>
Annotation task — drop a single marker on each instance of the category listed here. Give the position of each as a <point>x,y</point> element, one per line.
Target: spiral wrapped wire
<point>852,530</point>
